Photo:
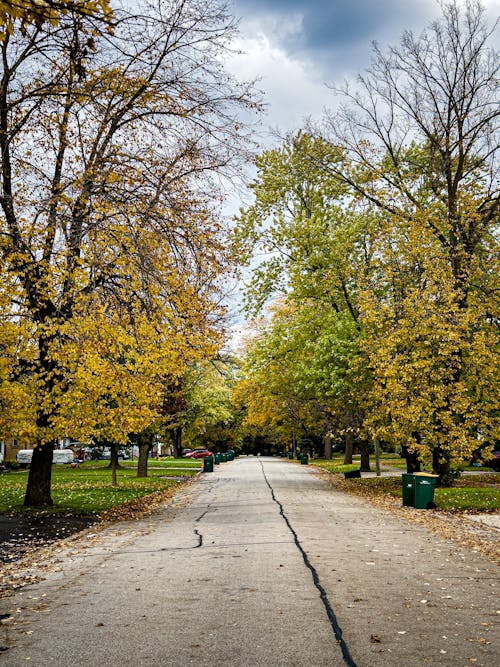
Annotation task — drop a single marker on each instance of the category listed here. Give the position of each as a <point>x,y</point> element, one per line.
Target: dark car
<point>491,459</point>
<point>493,462</point>
<point>198,454</point>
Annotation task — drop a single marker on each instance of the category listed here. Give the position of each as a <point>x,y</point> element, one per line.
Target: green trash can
<point>425,483</point>
<point>408,483</point>
<point>304,459</point>
<point>230,455</point>
<point>290,455</point>
<point>208,464</point>
<point>217,458</point>
<point>223,458</point>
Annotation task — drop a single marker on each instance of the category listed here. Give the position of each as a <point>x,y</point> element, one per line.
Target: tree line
<point>378,295</point>
<point>116,123</point>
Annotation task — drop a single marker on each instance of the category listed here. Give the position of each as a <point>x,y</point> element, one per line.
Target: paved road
<point>260,563</point>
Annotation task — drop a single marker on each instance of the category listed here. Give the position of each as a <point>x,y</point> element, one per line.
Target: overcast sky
<point>298,46</point>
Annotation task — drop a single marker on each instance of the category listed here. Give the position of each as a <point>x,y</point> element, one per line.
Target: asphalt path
<point>261,562</point>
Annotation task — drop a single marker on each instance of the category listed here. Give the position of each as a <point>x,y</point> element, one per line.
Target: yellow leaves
<point>431,356</point>
<point>42,11</point>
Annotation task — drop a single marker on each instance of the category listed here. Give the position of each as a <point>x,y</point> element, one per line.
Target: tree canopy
<point>112,247</point>
<point>385,217</point>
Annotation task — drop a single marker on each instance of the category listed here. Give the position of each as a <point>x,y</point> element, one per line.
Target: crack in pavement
<point>337,631</point>
<point>200,539</point>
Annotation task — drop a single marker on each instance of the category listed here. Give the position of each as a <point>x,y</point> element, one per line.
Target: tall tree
<point>420,134</point>
<point>316,242</point>
<point>108,142</point>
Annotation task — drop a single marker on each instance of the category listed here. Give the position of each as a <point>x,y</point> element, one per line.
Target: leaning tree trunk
<point>349,445</point>
<point>39,479</point>
<point>365,456</point>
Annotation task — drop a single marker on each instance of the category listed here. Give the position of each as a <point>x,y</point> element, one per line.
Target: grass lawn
<point>87,489</point>
<point>165,462</point>
<point>336,463</point>
<point>475,493</point>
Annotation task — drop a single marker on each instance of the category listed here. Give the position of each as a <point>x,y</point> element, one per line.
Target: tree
<point>420,136</point>
<point>48,11</point>
<point>208,402</point>
<point>316,241</point>
<point>109,237</point>
<point>267,386</point>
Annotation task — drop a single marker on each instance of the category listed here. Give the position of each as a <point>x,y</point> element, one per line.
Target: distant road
<point>260,563</point>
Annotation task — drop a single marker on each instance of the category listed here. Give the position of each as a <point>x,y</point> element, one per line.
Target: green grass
<point>87,489</point>
<point>475,493</point>
<point>166,462</point>
<point>336,463</point>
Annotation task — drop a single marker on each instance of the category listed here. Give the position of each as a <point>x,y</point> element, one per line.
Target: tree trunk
<point>142,463</point>
<point>328,446</point>
<point>376,443</point>
<point>176,435</point>
<point>113,456</point>
<point>113,463</point>
<point>39,478</point>
<point>349,444</point>
<point>38,488</point>
<point>365,456</point>
<point>412,460</point>
<point>441,466</point>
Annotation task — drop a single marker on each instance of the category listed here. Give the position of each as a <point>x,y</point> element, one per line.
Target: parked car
<point>198,453</point>
<point>63,456</point>
<point>105,454</point>
<point>24,456</point>
<point>491,460</point>
<point>494,462</point>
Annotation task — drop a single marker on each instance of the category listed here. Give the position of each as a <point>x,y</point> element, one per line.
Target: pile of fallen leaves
<point>137,507</point>
<point>35,563</point>
<point>451,525</point>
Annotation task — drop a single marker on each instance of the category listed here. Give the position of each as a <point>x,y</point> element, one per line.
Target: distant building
<point>9,449</point>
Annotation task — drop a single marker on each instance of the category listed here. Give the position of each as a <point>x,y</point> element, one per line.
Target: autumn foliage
<point>112,248</point>
<point>381,232</point>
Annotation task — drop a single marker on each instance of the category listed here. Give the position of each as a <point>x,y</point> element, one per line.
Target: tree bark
<point>412,459</point>
<point>349,444</point>
<point>176,435</point>
<point>376,443</point>
<point>441,465</point>
<point>39,479</point>
<point>365,456</point>
<point>113,463</point>
<point>142,463</point>
<point>328,446</point>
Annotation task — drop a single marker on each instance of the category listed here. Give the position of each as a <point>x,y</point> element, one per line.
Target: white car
<point>24,456</point>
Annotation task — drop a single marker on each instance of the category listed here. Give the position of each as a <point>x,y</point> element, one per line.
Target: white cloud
<point>292,89</point>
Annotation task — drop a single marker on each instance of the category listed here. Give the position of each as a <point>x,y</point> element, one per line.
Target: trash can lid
<point>425,474</point>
